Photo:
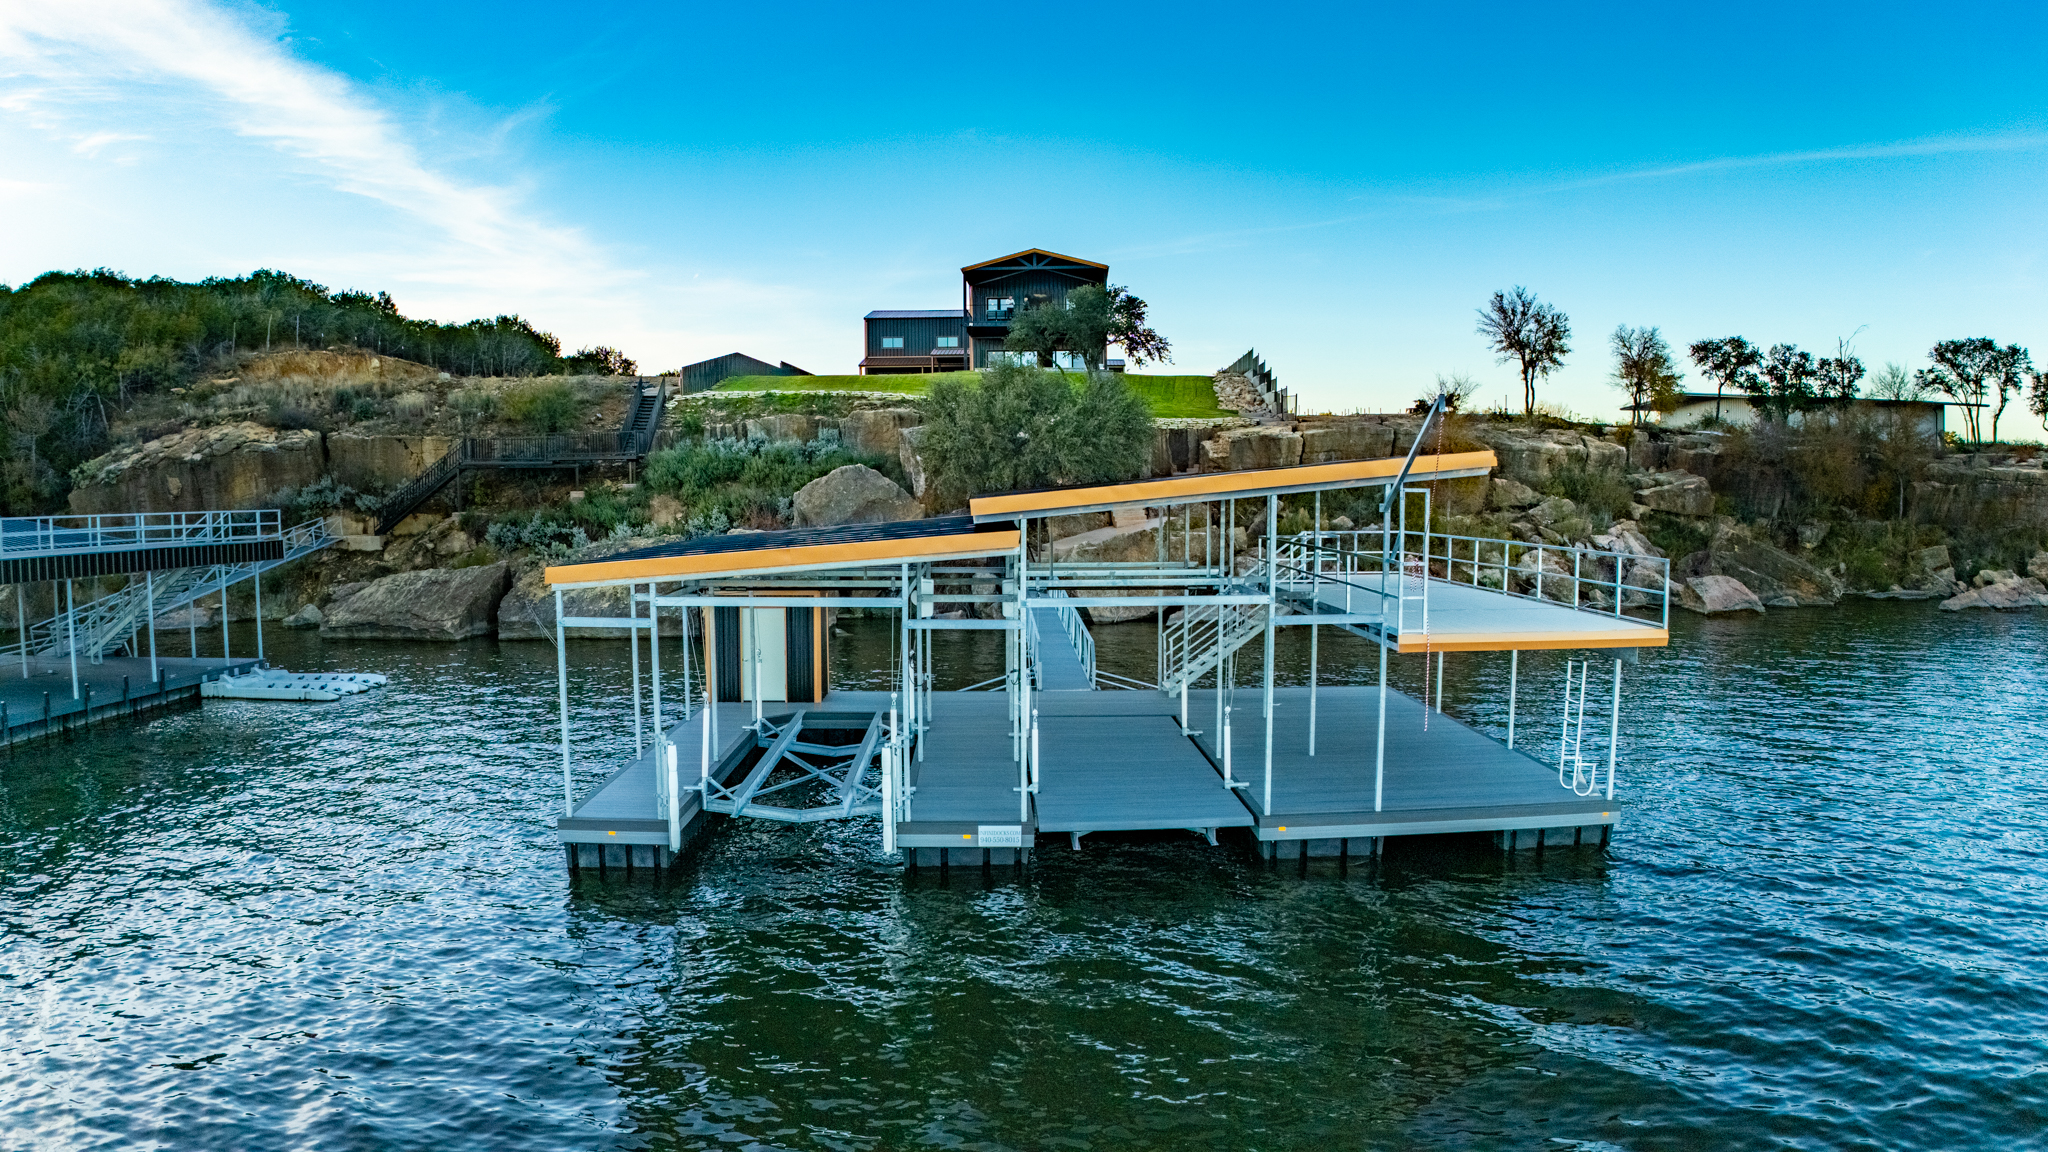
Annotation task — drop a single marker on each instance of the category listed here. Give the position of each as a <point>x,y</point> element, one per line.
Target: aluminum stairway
<point>1192,647</point>
<point>113,622</point>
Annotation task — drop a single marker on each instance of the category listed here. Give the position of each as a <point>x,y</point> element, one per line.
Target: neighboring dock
<point>1056,748</point>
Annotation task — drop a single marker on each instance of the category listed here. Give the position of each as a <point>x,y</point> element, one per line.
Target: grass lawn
<point>1168,396</point>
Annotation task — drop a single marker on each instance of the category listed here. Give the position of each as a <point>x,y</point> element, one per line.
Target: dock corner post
<point>259,615</point>
<point>149,587</point>
<point>1614,729</point>
<point>888,803</point>
<point>21,617</point>
<point>562,698</point>
<point>1440,653</point>
<point>1514,673</point>
<point>71,635</point>
<point>633,650</point>
<point>653,673</point>
<point>1379,768</point>
<point>225,655</point>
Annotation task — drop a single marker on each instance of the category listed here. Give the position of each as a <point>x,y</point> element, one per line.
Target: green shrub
<point>1019,427</point>
<point>750,483</point>
<point>543,406</point>
<point>1604,495</point>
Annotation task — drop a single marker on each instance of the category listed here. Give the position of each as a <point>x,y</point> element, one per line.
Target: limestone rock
<point>877,431</point>
<point>1551,510</point>
<point>1708,595</point>
<point>2037,566</point>
<point>431,604</point>
<point>1115,543</point>
<point>1779,579</point>
<point>1626,537</point>
<point>786,426</point>
<point>224,466</point>
<point>1810,535</point>
<point>1990,576</point>
<point>1265,447</point>
<point>1507,492</point>
<point>913,463</point>
<point>853,494</point>
<point>307,617</point>
<point>1934,559</point>
<point>1346,440</point>
<point>664,510</point>
<point>1215,455</point>
<point>1689,496</point>
<point>2013,592</point>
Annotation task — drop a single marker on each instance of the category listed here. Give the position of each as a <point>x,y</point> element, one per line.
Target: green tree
<point>1783,383</point>
<point>1022,427</point>
<point>2009,371</point>
<point>1129,331</point>
<point>1520,328</point>
<point>1965,371</point>
<point>1643,368</point>
<point>1835,377</point>
<point>1730,362</point>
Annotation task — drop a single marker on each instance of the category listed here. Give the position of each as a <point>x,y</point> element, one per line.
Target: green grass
<point>1168,396</point>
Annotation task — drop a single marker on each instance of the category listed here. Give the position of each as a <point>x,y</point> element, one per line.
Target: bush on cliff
<point>1018,427</point>
<point>747,483</point>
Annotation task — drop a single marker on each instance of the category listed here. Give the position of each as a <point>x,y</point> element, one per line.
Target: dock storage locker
<point>790,644</point>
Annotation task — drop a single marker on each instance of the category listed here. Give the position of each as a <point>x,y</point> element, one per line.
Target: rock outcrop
<point>1679,493</point>
<point>1778,578</point>
<point>877,431</point>
<point>2000,589</point>
<point>853,494</point>
<point>431,604</point>
<point>224,466</point>
<point>1263,447</point>
<point>308,617</point>
<point>1709,595</point>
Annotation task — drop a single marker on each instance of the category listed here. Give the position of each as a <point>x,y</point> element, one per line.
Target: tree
<point>1129,331</point>
<point>2009,370</point>
<point>600,361</point>
<point>1729,362</point>
<point>1518,327</point>
<point>2037,394</point>
<point>1023,427</point>
<point>1835,377</point>
<point>1455,389</point>
<point>1964,371</point>
<point>1088,321</point>
<point>1644,370</point>
<point>1893,382</point>
<point>1783,383</point>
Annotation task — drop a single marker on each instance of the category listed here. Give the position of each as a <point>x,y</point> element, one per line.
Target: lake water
<point>347,926</point>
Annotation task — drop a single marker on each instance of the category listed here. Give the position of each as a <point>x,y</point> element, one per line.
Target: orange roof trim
<point>1041,252</point>
<point>1227,485</point>
<point>765,561</point>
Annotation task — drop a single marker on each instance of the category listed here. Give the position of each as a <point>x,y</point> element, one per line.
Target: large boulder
<point>877,431</point>
<point>1681,494</point>
<point>1709,595</point>
<point>785,426</point>
<point>853,494</point>
<point>909,453</point>
<point>1346,440</point>
<point>1507,492</point>
<point>1779,579</point>
<point>2037,566</point>
<point>431,604</point>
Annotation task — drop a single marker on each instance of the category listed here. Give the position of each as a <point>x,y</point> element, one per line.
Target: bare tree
<point>1893,382</point>
<point>1455,389</point>
<point>1643,369</point>
<point>1519,327</point>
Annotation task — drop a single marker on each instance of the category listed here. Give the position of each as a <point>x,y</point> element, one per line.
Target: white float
<point>278,684</point>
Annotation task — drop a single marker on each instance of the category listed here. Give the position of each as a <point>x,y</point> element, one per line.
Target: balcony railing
<point>58,535</point>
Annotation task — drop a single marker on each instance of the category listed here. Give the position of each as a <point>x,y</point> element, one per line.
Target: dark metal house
<point>991,293</point>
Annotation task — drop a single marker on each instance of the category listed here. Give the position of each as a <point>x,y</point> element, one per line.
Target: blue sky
<point>1339,186</point>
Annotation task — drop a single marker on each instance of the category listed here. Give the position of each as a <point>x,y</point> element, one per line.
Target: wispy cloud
<point>75,71</point>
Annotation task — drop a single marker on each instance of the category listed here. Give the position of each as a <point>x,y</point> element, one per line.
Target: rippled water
<point>346,926</point>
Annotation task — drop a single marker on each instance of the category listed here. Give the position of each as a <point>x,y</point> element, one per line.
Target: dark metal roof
<point>917,314</point>
<point>811,537</point>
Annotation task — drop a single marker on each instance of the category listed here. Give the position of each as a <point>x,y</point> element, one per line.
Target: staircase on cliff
<point>631,442</point>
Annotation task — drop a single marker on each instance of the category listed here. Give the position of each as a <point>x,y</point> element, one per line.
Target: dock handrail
<point>1077,632</point>
<point>1606,582</point>
<point>114,531</point>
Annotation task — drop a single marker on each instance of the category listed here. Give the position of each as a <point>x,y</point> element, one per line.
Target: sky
<point>1337,186</point>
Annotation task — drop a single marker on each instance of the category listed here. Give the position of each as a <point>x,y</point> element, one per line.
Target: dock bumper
<point>1347,825</point>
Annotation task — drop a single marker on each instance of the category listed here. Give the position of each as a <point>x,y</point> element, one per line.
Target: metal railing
<point>1077,633</point>
<point>1192,650</point>
<point>57,535</point>
<point>1587,579</point>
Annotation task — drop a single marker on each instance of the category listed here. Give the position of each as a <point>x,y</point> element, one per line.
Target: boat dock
<point>740,722</point>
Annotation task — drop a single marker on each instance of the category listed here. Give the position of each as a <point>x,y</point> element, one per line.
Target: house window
<point>949,341</point>
<point>892,341</point>
<point>1001,306</point>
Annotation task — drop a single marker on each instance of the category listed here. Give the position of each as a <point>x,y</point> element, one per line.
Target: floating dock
<point>739,722</point>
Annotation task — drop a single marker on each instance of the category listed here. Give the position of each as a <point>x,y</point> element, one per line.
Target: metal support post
<point>562,698</point>
<point>224,654</point>
<point>633,651</point>
<point>258,578</point>
<point>21,617</point>
<point>1514,674</point>
<point>654,671</point>
<point>192,623</point>
<point>1614,729</point>
<point>1440,681</point>
<point>1272,598</point>
<point>71,634</point>
<point>149,588</point>
<point>1379,769</point>
<point>1315,596</point>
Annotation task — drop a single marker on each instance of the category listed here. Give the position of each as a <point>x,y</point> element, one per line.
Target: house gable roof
<point>1035,257</point>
